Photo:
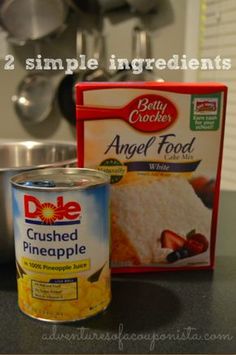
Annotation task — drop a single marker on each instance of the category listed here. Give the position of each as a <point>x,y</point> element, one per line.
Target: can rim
<point>16,179</point>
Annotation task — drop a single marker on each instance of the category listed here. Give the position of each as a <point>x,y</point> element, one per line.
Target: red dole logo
<point>48,212</point>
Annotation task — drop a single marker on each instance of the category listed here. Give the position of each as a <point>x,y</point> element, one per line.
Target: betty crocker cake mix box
<point>162,145</point>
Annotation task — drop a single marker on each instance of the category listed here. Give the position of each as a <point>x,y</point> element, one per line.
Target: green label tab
<point>205,112</point>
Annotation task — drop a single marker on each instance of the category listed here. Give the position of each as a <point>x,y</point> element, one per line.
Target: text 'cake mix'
<point>162,144</point>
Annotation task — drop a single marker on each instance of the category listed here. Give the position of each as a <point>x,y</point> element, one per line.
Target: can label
<point>62,252</point>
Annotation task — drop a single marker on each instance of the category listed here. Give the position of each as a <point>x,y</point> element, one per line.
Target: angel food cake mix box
<point>162,145</point>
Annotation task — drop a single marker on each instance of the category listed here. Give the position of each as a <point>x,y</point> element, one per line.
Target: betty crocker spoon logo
<point>147,113</point>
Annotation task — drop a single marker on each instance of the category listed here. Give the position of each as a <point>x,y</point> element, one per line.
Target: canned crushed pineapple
<point>62,243</point>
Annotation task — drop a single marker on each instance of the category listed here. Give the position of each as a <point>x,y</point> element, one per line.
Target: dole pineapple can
<point>62,243</point>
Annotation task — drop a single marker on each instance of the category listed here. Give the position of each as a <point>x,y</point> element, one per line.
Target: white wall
<point>168,38</point>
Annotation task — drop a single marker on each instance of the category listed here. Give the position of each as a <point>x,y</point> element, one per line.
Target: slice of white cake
<point>142,210</point>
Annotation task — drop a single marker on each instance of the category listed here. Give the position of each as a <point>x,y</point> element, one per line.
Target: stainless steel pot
<point>32,20</point>
<point>19,156</point>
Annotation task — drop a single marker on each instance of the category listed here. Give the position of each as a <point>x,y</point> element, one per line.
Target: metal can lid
<point>62,179</point>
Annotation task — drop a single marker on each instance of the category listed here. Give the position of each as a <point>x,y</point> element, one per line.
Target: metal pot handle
<point>141,43</point>
<point>99,46</point>
<point>80,42</point>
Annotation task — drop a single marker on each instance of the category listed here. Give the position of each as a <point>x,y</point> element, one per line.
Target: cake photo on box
<point>159,221</point>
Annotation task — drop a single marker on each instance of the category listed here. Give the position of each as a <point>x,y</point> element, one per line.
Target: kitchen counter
<point>174,312</point>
